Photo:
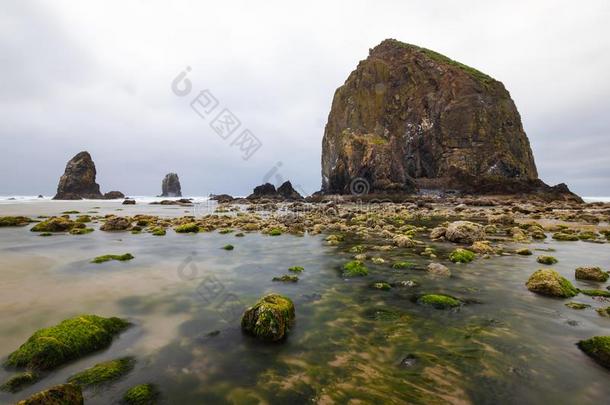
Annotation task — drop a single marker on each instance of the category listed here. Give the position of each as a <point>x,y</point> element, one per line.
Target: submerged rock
<point>354,268</point>
<point>75,337</point>
<point>439,301</point>
<point>461,256</point>
<point>549,282</point>
<point>270,318</point>
<point>102,373</point>
<point>598,348</point>
<point>438,270</point>
<point>591,273</point>
<point>78,180</point>
<point>65,394</point>
<point>170,186</point>
<point>142,394</point>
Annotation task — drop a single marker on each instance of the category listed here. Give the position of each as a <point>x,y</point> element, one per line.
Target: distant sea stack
<point>170,187</point>
<point>78,180</point>
<point>409,117</point>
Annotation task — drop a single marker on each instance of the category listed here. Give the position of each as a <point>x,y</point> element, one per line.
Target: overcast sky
<point>97,76</point>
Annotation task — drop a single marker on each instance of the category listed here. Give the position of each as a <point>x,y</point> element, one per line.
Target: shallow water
<point>506,345</point>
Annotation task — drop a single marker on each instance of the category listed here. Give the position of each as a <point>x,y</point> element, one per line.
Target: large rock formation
<point>409,117</point>
<point>78,180</point>
<point>170,187</point>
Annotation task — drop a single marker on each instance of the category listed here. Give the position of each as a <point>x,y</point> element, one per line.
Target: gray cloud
<point>96,76</point>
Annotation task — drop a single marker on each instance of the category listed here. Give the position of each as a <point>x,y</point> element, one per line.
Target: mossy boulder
<point>549,260</point>
<point>14,221</point>
<point>56,224</point>
<point>270,318</point>
<point>107,258</point>
<point>65,394</point>
<point>72,338</point>
<point>439,301</point>
<point>461,256</point>
<point>142,394</point>
<point>598,348</point>
<point>591,273</point>
<point>190,227</point>
<point>104,372</point>
<point>548,282</point>
<point>355,268</point>
<point>19,381</point>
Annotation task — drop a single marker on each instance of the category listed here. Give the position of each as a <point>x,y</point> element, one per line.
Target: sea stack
<point>410,118</point>
<point>170,187</point>
<point>78,180</point>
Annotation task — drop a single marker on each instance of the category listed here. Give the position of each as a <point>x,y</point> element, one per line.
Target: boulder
<point>270,318</point>
<point>170,186</point>
<point>266,190</point>
<point>116,224</point>
<point>129,201</point>
<point>113,195</point>
<point>78,180</point>
<point>464,232</point>
<point>591,273</point>
<point>549,282</point>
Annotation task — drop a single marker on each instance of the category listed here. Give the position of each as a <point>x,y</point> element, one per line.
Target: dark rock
<point>170,187</point>
<point>114,195</point>
<point>409,361</point>
<point>409,117</point>
<point>78,180</point>
<point>40,196</point>
<point>221,198</point>
<point>266,190</point>
<point>287,192</point>
<point>129,202</point>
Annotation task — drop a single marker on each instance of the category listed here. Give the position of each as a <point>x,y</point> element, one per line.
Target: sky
<point>99,76</point>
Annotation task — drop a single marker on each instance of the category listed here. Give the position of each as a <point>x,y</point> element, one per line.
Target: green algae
<point>107,258</point>
<point>598,348</point>
<point>191,227</point>
<point>104,372</point>
<point>460,255</point>
<point>439,301</point>
<point>296,269</point>
<point>72,338</point>
<point>596,293</point>
<point>142,394</point>
<point>275,232</point>
<point>355,268</point>
<point>19,381</point>
<point>270,318</point>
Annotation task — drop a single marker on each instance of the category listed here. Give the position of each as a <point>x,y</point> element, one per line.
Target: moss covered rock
<point>577,305</point>
<point>270,318</point>
<point>19,381</point>
<point>549,282</point>
<point>591,273</point>
<point>563,236</point>
<point>524,252</point>
<point>461,256</point>
<point>296,269</point>
<point>190,227</point>
<point>158,231</point>
<point>56,224</point>
<point>70,339</point>
<point>439,301</point>
<point>286,278</point>
<point>116,224</point>
<point>143,394</point>
<point>546,260</point>
<point>354,268</point>
<point>102,373</point>
<point>598,348</point>
<point>107,258</point>
<point>228,247</point>
<point>65,394</point>
<point>81,231</point>
<point>14,221</point>
<point>596,293</point>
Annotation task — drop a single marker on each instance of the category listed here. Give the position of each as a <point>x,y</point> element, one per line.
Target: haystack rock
<point>78,180</point>
<point>170,187</point>
<point>409,117</point>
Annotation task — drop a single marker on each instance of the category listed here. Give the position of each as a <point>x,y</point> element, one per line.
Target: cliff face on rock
<point>409,117</point>
<point>170,187</point>
<point>78,180</point>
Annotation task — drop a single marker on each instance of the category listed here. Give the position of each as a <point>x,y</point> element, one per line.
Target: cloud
<point>96,76</point>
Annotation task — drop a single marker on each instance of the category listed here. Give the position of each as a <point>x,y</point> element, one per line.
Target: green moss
<point>563,236</point>
<point>106,258</point>
<point>546,260</point>
<point>65,394</point>
<point>549,282</point>
<point>143,394</point>
<point>70,339</point>
<point>381,285</point>
<point>228,247</point>
<point>191,227</point>
<point>55,224</point>
<point>158,231</point>
<point>81,231</point>
<point>14,221</point>
<point>103,372</point>
<point>354,268</point>
<point>296,269</point>
<point>598,348</point>
<point>19,381</point>
<point>577,305</point>
<point>524,252</point>
<point>275,232</point>
<point>439,301</point>
<point>403,265</point>
<point>287,278</point>
<point>461,256</point>
<point>270,318</point>
<point>596,293</point>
